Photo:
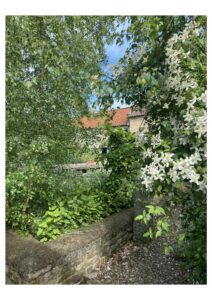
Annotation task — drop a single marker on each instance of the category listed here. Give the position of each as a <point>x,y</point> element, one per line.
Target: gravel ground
<point>140,264</point>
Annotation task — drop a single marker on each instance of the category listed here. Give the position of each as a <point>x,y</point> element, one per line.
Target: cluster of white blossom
<point>157,169</point>
<point>188,121</point>
<point>184,168</point>
<point>193,120</point>
<point>156,140</point>
<point>179,80</point>
<point>178,99</point>
<point>196,118</point>
<point>140,52</point>
<point>165,165</point>
<point>191,28</point>
<point>141,136</point>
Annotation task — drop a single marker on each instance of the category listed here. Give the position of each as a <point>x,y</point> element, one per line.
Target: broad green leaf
<point>158,233</point>
<point>139,218</point>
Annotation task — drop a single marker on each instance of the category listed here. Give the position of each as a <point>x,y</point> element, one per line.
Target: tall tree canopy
<point>50,62</point>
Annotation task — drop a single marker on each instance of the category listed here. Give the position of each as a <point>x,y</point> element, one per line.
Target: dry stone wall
<point>68,259</point>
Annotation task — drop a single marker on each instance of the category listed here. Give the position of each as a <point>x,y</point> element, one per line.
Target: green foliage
<point>140,78</point>
<point>48,85</point>
<point>43,53</point>
<point>155,215</point>
<point>42,113</point>
<point>83,156</point>
<point>168,249</point>
<point>45,217</point>
<point>192,241</point>
<point>122,163</point>
<point>69,215</point>
<point>166,54</point>
<point>29,189</point>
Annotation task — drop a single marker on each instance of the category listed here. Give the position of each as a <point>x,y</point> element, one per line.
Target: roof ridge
<point>119,117</point>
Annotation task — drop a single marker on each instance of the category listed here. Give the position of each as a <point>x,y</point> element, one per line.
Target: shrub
<point>122,163</point>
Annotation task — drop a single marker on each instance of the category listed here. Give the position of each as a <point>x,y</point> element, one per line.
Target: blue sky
<point>114,53</point>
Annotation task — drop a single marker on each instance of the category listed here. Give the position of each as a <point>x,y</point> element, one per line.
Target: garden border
<point>69,258</point>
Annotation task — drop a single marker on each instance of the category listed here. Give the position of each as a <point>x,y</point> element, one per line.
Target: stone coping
<point>70,257</point>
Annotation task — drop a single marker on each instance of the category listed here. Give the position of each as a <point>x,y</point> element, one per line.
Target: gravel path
<point>140,264</point>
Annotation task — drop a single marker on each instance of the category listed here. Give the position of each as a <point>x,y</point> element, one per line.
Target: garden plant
<point>48,88</point>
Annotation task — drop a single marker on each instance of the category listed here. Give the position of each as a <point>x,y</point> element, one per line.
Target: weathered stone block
<point>69,258</point>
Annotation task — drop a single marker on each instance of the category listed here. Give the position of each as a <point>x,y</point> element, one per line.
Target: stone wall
<point>68,259</point>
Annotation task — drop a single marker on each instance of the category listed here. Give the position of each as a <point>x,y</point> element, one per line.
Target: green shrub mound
<point>46,206</point>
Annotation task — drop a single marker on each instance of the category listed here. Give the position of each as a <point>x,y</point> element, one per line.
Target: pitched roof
<point>92,123</point>
<point>137,113</point>
<point>119,118</point>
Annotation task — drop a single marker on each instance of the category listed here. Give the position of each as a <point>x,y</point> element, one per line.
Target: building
<point>125,118</point>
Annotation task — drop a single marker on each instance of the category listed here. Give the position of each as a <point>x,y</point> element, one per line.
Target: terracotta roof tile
<point>92,123</point>
<point>120,118</point>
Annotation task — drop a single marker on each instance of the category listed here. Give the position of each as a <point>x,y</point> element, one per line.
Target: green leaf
<point>181,237</point>
<point>28,84</point>
<point>145,220</point>
<point>39,232</point>
<point>150,233</point>
<point>158,233</point>
<point>159,188</point>
<point>43,225</point>
<point>56,231</point>
<point>165,226</point>
<point>146,234</point>
<point>139,218</point>
<point>49,220</point>
<point>168,250</point>
<point>44,240</point>
<point>159,211</point>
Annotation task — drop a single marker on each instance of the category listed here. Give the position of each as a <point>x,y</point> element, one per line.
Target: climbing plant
<point>164,71</point>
